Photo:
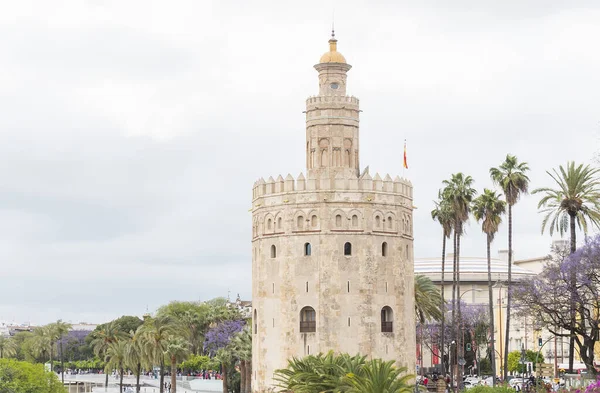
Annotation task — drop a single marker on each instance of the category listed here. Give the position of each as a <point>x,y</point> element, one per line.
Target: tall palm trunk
<point>249,376</point>
<point>509,295</point>
<point>454,282</point>
<point>173,374</point>
<point>51,353</point>
<point>137,378</point>
<point>442,307</point>
<point>224,377</point>
<point>121,371</point>
<point>62,364</point>
<point>105,380</point>
<point>162,376</point>
<point>242,376</point>
<point>491,310</point>
<point>573,249</point>
<point>458,336</point>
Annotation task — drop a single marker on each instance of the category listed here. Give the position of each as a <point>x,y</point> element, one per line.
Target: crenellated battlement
<point>398,186</point>
<point>332,99</point>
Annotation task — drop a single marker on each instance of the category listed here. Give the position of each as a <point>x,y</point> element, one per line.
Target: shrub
<point>490,389</point>
<point>24,377</point>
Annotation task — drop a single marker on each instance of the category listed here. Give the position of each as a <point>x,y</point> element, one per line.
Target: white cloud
<point>132,132</point>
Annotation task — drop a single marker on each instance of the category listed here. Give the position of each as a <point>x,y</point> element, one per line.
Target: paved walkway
<point>148,384</point>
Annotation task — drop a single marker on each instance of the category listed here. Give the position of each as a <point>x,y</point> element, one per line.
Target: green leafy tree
<point>57,330</point>
<point>24,377</point>
<point>341,373</point>
<point>102,337</point>
<point>458,193</point>
<point>574,202</point>
<point>116,358</point>
<point>135,358</point>
<point>380,377</point>
<point>197,363</point>
<point>154,338</point>
<point>427,299</point>
<point>488,208</point>
<point>8,347</point>
<point>511,177</point>
<point>241,344</point>
<point>515,361</point>
<point>444,216</point>
<point>178,349</point>
<point>225,357</point>
<point>194,316</point>
<point>42,344</point>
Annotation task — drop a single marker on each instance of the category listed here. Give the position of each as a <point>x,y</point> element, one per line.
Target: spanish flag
<point>405,161</point>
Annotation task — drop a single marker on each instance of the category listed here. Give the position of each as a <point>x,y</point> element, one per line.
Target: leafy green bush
<point>490,389</point>
<point>24,377</point>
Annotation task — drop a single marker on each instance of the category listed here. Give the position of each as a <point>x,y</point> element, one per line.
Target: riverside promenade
<point>95,383</point>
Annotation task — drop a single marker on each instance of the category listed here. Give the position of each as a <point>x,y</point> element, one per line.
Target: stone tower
<point>332,250</point>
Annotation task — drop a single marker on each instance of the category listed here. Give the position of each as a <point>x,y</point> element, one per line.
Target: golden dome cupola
<point>333,56</point>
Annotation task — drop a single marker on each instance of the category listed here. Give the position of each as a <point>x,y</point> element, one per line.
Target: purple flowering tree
<point>473,325</point>
<point>549,296</point>
<point>219,336</point>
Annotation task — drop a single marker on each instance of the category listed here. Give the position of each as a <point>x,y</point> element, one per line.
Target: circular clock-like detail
<point>334,86</point>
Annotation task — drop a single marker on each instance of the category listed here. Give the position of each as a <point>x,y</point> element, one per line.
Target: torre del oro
<point>332,249</point>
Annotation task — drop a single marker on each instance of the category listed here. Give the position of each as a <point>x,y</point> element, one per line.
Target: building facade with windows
<point>332,250</point>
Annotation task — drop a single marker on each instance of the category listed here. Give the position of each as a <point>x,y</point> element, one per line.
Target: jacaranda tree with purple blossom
<point>549,296</point>
<point>219,336</point>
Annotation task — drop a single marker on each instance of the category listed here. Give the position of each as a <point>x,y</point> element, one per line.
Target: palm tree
<point>135,357</point>
<point>342,373</point>
<point>154,338</point>
<point>512,179</point>
<point>178,349</point>
<point>116,356</point>
<point>225,357</point>
<point>8,347</point>
<point>427,300</point>
<point>489,209</point>
<point>380,377</point>
<point>459,193</point>
<point>443,214</point>
<point>574,202</point>
<point>242,347</point>
<point>59,329</point>
<point>101,340</point>
<point>42,343</point>
<point>318,373</point>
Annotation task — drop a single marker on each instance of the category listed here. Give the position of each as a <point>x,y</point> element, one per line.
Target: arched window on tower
<point>355,220</point>
<point>308,320</point>
<point>338,221</point>
<point>300,222</point>
<point>390,222</point>
<point>279,223</point>
<point>307,249</point>
<point>377,222</point>
<point>273,251</point>
<point>313,221</point>
<point>387,318</point>
<point>348,249</point>
<point>269,224</point>
<point>384,249</point>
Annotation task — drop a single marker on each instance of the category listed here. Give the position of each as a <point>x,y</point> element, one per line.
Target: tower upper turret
<point>332,69</point>
<point>332,121</point>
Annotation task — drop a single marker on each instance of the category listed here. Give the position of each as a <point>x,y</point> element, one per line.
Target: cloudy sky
<point>131,132</point>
